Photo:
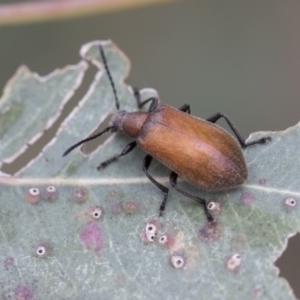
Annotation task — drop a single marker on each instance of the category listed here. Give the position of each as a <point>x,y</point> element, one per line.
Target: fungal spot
<point>9,261</point>
<point>247,198</point>
<point>23,293</point>
<point>151,228</point>
<point>167,240</point>
<point>210,232</point>
<point>258,292</point>
<point>290,202</point>
<point>34,191</point>
<point>214,207</point>
<point>95,212</point>
<point>51,193</point>
<point>163,239</point>
<point>116,208</point>
<point>42,250</point>
<point>33,196</point>
<point>51,189</point>
<point>150,231</point>
<point>150,237</point>
<point>91,237</point>
<point>80,195</point>
<point>130,207</point>
<point>262,181</point>
<point>233,262</point>
<point>177,261</point>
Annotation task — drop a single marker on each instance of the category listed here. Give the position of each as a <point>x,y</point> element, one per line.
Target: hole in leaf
<point>32,150</point>
<point>289,262</point>
<point>91,146</point>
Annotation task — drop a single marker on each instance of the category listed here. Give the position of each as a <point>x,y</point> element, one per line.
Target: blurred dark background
<point>237,57</point>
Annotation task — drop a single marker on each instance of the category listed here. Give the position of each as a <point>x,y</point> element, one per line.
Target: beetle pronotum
<point>197,150</point>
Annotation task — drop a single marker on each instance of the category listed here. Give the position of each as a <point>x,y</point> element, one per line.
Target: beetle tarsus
<point>161,213</point>
<point>103,165</point>
<point>107,162</point>
<point>265,140</point>
<point>215,117</point>
<point>208,215</point>
<point>163,205</point>
<point>125,151</point>
<point>154,100</point>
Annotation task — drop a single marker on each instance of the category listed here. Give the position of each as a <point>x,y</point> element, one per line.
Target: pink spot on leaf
<point>80,195</point>
<point>91,237</point>
<point>23,293</point>
<point>167,241</point>
<point>33,196</point>
<point>247,198</point>
<point>130,207</point>
<point>9,261</point>
<point>116,208</point>
<point>262,181</point>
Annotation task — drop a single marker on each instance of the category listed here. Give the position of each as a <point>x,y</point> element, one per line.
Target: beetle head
<point>117,121</point>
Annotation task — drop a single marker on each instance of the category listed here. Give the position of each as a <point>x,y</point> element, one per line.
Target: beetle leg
<point>126,150</point>
<point>215,117</point>
<point>185,108</point>
<point>173,181</point>
<point>140,103</point>
<point>146,165</point>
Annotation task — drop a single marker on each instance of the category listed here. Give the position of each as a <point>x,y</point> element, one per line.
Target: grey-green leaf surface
<point>68,231</point>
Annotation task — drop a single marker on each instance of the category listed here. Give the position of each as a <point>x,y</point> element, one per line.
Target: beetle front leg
<point>146,165</point>
<point>125,151</point>
<point>215,117</point>
<point>173,181</point>
<point>140,103</point>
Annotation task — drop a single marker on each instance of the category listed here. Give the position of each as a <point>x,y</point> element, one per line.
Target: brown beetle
<point>197,150</point>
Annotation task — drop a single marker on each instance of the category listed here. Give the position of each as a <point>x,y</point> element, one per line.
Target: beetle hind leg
<point>215,117</point>
<point>173,181</point>
<point>146,165</point>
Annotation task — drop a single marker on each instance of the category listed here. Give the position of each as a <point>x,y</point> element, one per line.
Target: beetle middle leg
<point>185,108</point>
<point>125,151</point>
<point>146,165</point>
<point>173,181</point>
<point>215,117</point>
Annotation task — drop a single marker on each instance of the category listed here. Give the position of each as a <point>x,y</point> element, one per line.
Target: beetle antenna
<point>86,140</point>
<point>109,76</point>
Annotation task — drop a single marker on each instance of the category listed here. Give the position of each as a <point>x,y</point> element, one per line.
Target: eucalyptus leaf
<point>69,231</point>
